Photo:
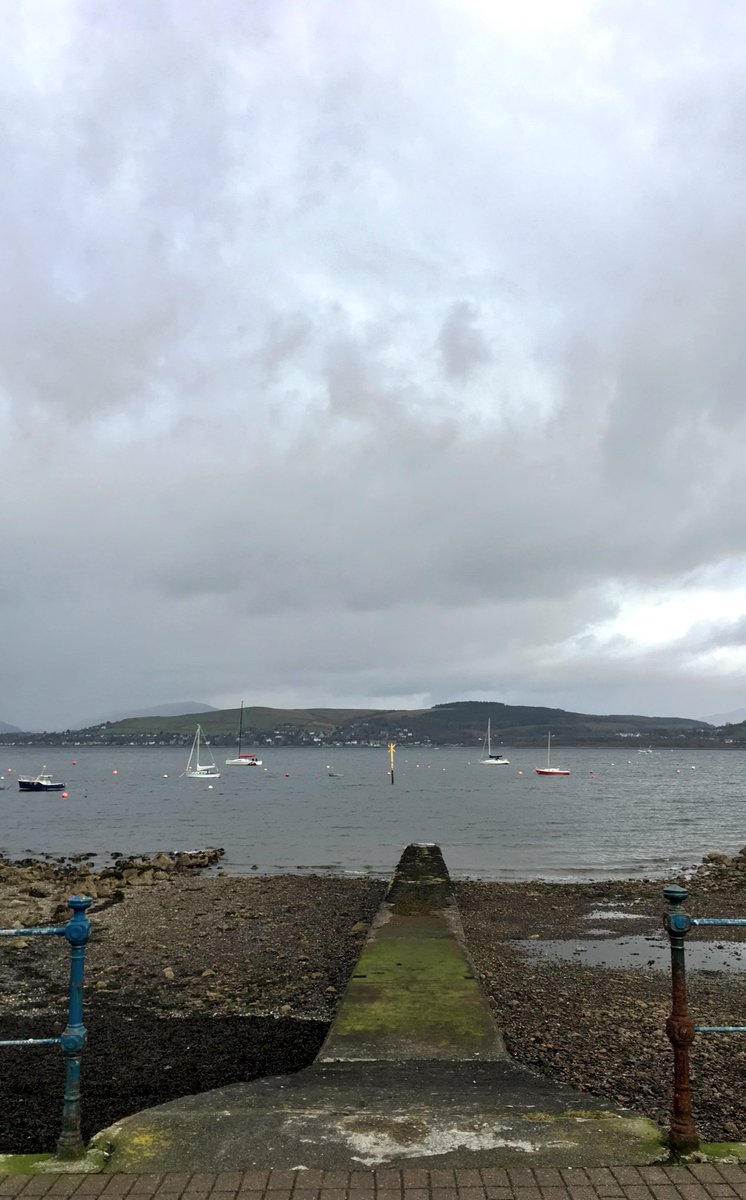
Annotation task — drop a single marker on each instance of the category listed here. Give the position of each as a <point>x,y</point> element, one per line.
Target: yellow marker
<point>392,748</point>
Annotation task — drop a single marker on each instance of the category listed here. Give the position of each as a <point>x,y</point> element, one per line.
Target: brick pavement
<point>699,1181</point>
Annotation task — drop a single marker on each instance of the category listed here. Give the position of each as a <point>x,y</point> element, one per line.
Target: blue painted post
<point>70,1144</point>
<point>683,1134</point>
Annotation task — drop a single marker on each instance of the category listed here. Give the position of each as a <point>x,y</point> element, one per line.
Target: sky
<point>372,354</point>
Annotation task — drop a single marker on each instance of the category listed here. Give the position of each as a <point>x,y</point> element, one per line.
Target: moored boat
<point>194,768</point>
<point>491,759</point>
<point>548,769</point>
<point>242,759</point>
<point>43,782</point>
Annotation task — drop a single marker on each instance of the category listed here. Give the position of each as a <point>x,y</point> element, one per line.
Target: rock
<point>169,973</point>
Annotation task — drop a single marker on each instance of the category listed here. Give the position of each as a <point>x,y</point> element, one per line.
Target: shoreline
<point>222,973</point>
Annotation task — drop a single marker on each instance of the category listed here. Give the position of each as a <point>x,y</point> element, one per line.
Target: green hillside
<point>457,723</point>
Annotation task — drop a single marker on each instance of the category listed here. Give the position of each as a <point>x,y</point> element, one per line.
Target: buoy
<point>209,787</point>
<point>64,795</point>
<point>287,774</point>
<point>165,776</point>
<point>115,772</point>
<point>74,761</point>
<point>519,772</point>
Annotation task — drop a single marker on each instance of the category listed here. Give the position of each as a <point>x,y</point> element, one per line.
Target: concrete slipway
<point>413,1073</point>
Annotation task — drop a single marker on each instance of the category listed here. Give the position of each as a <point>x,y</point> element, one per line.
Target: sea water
<point>619,813</point>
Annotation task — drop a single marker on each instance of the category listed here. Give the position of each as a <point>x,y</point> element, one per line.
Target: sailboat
<point>242,759</point>
<point>194,768</point>
<point>548,769</point>
<point>493,759</point>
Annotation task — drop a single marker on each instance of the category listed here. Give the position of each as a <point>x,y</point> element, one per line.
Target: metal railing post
<point>679,1026</point>
<point>70,1144</point>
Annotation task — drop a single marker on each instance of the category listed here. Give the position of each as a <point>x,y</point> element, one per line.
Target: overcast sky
<point>372,353</point>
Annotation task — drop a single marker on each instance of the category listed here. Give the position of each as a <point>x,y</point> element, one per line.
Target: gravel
<point>195,980</point>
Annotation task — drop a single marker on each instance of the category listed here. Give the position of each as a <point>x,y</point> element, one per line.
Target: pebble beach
<point>196,978</point>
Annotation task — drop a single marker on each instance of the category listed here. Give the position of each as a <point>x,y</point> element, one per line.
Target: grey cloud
<point>461,343</point>
<point>378,348</point>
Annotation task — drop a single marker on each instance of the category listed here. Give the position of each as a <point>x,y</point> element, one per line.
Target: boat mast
<point>240,729</point>
<point>489,738</point>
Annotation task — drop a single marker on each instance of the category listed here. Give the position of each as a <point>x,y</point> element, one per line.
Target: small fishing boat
<point>42,782</point>
<point>194,768</point>
<point>242,759</point>
<point>549,769</point>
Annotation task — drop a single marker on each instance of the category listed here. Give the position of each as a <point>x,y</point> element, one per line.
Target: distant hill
<point>729,718</point>
<point>160,710</point>
<point>461,723</point>
<point>5,728</point>
<point>169,710</point>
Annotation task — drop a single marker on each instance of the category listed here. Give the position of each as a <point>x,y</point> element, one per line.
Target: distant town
<point>460,723</point>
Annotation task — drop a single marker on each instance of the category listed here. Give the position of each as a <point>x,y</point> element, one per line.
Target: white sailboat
<point>490,758</point>
<point>194,768</point>
<point>242,759</point>
<point>549,769</point>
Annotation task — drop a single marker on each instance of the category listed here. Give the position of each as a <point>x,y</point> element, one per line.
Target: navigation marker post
<point>392,748</point>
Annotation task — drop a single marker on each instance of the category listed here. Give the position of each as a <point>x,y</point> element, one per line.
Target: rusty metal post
<point>679,1026</point>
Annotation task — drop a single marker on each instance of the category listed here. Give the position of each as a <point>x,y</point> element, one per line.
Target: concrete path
<point>413,1075</point>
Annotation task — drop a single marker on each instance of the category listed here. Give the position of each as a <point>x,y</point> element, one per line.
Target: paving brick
<point>471,1193</point>
<point>495,1191</point>
<point>627,1176</point>
<point>281,1180</point>
<point>581,1191</point>
<point>417,1193</point>
<point>526,1192</point>
<point>10,1185</point>
<point>388,1179</point>
<point>311,1178</point>
<point>335,1193</point>
<point>335,1179</point>
<point>38,1185</point>
<point>363,1179</point>
<point>664,1191</point>
<point>554,1193</point>
<point>495,1176</point>
<point>442,1177</point>
<point>468,1178</point>
<point>521,1177</point>
<point>254,1180</point>
<point>548,1177</point>
<point>144,1185</point>
<point>411,1177</point>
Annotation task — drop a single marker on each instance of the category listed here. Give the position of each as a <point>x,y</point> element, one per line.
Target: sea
<point>621,813</point>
